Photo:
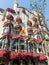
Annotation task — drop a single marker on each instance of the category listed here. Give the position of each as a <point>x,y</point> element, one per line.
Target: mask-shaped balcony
<point>29,30</point>
<point>18,20</point>
<point>9,17</point>
<point>10,10</point>
<point>29,23</point>
<point>18,27</point>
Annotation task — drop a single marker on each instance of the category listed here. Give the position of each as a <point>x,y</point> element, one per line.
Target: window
<point>31,47</point>
<point>22,45</point>
<point>5,43</point>
<point>6,29</point>
<point>38,36</point>
<point>40,47</point>
<point>17,32</point>
<point>0,43</point>
<point>18,12</point>
<point>48,48</point>
<point>15,45</point>
<point>29,35</point>
<point>35,47</point>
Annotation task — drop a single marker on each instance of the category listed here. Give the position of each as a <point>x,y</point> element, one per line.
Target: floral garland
<point>18,27</point>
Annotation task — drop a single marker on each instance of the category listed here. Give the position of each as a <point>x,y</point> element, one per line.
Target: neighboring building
<point>24,37</point>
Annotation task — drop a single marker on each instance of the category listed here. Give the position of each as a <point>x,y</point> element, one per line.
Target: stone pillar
<point>19,45</point>
<point>9,63</point>
<point>29,61</point>
<point>48,60</point>
<point>21,62</point>
<point>38,63</point>
<point>46,47</point>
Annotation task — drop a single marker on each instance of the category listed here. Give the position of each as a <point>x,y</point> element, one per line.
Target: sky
<point>25,3</point>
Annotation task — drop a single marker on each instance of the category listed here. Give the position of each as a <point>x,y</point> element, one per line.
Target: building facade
<point>24,37</point>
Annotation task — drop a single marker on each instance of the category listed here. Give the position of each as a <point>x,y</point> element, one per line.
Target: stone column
<point>48,60</point>
<point>29,62</point>
<point>19,45</point>
<point>21,62</point>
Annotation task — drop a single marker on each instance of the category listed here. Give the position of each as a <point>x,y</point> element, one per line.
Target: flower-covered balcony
<point>20,57</point>
<point>10,17</point>
<point>8,23</point>
<point>7,27</point>
<point>29,23</point>
<point>10,10</point>
<point>29,30</point>
<point>3,58</point>
<point>18,28</point>
<point>36,31</point>
<point>18,20</point>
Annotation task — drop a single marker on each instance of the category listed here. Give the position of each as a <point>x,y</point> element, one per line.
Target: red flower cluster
<point>29,23</point>
<point>19,20</point>
<point>18,27</point>
<point>15,36</point>
<point>23,10</point>
<point>10,10</point>
<point>3,53</point>
<point>24,55</point>
<point>42,57</point>
<point>8,23</point>
<point>10,17</point>
<point>36,40</point>
<point>11,55</point>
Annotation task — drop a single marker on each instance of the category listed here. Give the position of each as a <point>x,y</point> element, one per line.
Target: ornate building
<point>24,37</point>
